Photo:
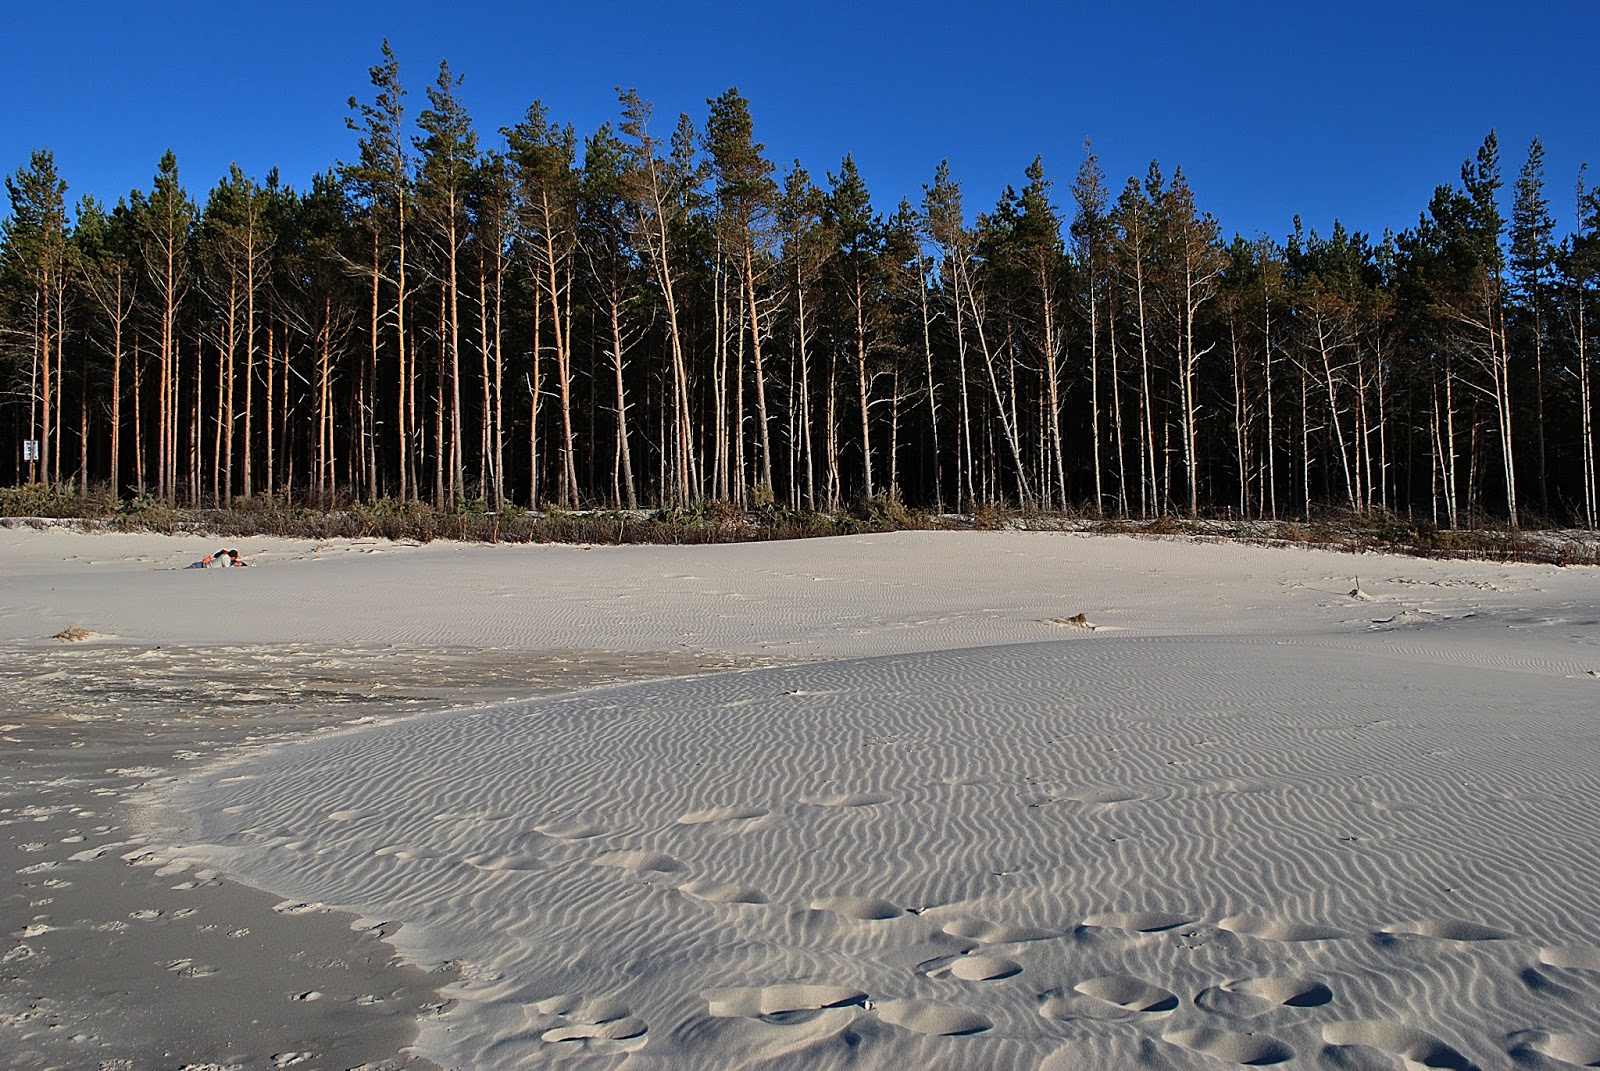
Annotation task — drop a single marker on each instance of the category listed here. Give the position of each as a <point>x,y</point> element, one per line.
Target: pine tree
<point>236,243</point>
<point>448,151</point>
<point>1579,262</point>
<point>166,216</point>
<point>857,234</point>
<point>1037,237</point>
<point>806,248</point>
<point>1134,220</point>
<point>1192,256</point>
<point>941,208</point>
<point>492,205</point>
<point>746,199</point>
<point>105,248</point>
<point>33,241</point>
<point>615,288</point>
<point>1532,270</point>
<point>658,190</point>
<point>379,181</point>
<point>1091,237</point>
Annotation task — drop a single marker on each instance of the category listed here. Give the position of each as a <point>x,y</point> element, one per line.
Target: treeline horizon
<point>636,318</point>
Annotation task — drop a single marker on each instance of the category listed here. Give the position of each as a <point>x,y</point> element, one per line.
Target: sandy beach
<point>955,800</point>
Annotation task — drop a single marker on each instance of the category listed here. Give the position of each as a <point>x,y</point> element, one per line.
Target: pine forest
<point>658,313</point>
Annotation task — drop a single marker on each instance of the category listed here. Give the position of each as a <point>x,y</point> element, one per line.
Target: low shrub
<point>991,517</point>
<point>57,501</point>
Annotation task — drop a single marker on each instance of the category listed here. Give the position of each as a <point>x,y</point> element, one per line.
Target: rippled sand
<point>1246,810</point>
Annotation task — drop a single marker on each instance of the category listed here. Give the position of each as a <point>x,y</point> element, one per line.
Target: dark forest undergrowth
<point>723,522</point>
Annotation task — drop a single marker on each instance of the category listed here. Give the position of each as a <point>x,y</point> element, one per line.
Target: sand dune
<point>1305,841</point>
<point>1248,819</point>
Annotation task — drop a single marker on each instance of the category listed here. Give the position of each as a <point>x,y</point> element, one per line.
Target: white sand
<point>1244,817</point>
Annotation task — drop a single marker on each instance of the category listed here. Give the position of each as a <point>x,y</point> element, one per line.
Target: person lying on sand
<point>220,559</point>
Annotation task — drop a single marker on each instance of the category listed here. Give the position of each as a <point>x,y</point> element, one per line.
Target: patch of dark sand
<point>113,960</point>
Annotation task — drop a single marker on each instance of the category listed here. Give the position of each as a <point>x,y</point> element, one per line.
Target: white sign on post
<point>30,449</point>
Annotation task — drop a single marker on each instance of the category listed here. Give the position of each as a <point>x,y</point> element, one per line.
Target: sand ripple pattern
<point>1056,855</point>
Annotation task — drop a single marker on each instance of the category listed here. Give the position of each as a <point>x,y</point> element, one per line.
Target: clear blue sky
<point>1355,110</point>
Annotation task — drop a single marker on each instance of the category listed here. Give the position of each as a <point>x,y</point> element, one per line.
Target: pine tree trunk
<point>1324,346</point>
<point>933,390</point>
<point>1057,455</point>
<point>861,386</point>
<point>225,384</point>
<point>116,399</point>
<point>274,431</point>
<point>453,287</point>
<point>801,340</point>
<point>1118,425</point>
<point>1147,443</point>
<point>759,368</point>
<point>625,455</point>
<point>499,380</point>
<point>247,485</point>
<point>141,454</point>
<point>1094,388</point>
<point>1272,440</point>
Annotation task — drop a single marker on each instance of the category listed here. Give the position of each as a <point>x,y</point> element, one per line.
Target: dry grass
<point>727,522</point>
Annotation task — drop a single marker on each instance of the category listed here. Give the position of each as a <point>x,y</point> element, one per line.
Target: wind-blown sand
<point>1235,814</point>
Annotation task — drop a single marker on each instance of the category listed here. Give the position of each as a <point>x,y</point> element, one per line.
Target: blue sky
<point>1353,111</point>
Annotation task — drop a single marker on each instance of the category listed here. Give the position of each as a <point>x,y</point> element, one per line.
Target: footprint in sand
<point>1446,930</point>
<point>1110,999</point>
<point>861,908</point>
<point>640,862</point>
<point>1545,985</point>
<point>401,852</point>
<point>926,1017</point>
<point>296,907</point>
<point>971,968</point>
<point>1270,929</point>
<point>1139,921</point>
<point>1252,997</point>
<point>722,814</point>
<point>1581,1050</point>
<point>188,968</point>
<point>994,933</point>
<point>496,861</point>
<point>202,879</point>
<point>1574,957</point>
<point>1417,1047</point>
<point>1251,1050</point>
<point>1129,993</point>
<point>780,1003</point>
<point>847,799</point>
<point>569,830</point>
<point>1101,797</point>
<point>602,1023</point>
<point>723,892</point>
